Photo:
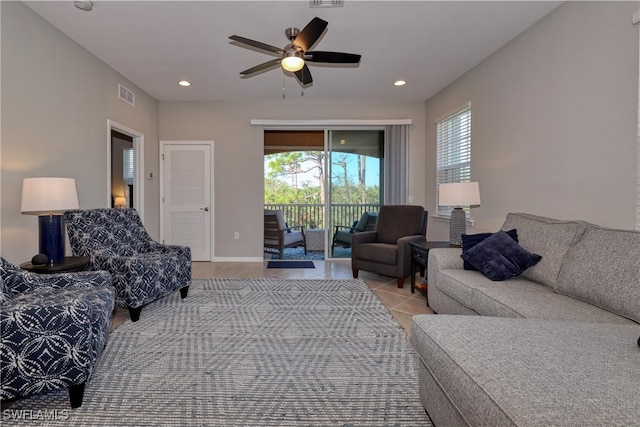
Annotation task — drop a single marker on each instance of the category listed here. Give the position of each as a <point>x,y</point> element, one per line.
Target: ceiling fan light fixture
<point>85,5</point>
<point>292,63</point>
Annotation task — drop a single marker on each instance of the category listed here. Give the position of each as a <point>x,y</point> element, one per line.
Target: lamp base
<point>51,229</point>
<point>457,226</point>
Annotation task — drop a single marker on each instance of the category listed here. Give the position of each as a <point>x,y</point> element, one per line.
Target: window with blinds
<point>453,141</point>
<point>127,165</point>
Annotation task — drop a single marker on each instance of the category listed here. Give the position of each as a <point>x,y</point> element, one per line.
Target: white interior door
<point>186,196</point>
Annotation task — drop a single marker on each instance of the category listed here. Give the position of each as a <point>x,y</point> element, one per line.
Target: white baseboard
<point>237,259</point>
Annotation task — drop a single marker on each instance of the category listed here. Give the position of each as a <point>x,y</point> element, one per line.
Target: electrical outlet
<point>236,235</point>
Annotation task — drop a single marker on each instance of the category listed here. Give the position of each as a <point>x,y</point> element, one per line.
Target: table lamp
<point>458,194</point>
<point>119,202</point>
<point>49,198</point>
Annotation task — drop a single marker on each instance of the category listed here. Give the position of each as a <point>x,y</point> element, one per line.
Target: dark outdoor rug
<point>262,352</point>
<point>290,264</point>
<point>298,253</point>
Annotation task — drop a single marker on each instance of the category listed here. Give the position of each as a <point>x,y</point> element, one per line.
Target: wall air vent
<point>126,95</point>
<point>326,3</point>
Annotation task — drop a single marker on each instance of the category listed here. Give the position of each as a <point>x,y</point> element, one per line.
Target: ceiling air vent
<point>326,3</point>
<point>126,95</point>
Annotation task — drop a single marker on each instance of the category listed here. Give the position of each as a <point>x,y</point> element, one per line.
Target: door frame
<point>138,161</point>
<point>210,143</point>
<point>326,126</point>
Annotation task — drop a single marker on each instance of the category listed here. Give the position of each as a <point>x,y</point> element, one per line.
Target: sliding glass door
<point>355,160</point>
<point>324,180</point>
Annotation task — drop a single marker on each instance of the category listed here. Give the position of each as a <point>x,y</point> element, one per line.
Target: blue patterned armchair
<point>142,270</point>
<point>53,328</point>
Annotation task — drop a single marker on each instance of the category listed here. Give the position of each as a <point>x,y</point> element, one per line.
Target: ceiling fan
<point>295,55</point>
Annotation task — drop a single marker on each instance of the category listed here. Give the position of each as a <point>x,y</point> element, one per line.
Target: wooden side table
<point>419,257</point>
<point>70,264</point>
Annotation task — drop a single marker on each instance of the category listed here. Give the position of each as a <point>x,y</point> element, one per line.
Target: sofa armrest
<point>153,246</point>
<point>364,237</point>
<point>442,259</point>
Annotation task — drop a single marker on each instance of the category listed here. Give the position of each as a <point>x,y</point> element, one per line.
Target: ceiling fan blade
<point>332,57</point>
<point>261,67</point>
<point>256,44</point>
<point>304,76</point>
<point>310,34</point>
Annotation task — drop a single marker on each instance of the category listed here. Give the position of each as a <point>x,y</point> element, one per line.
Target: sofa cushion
<point>603,269</point>
<point>499,257</point>
<point>383,253</point>
<point>532,372</point>
<point>471,240</point>
<point>549,238</point>
<point>361,225</point>
<point>518,297</point>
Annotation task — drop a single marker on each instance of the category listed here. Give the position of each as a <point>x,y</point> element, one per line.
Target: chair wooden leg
<point>76,393</point>
<point>400,282</point>
<point>355,273</point>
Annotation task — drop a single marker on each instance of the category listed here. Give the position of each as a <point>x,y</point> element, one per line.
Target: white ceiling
<point>427,43</point>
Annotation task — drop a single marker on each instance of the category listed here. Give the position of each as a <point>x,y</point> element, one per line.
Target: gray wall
<point>238,154</point>
<point>554,120</point>
<point>56,100</point>
<point>554,127</point>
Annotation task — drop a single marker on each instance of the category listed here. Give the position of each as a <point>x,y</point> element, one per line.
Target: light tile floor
<point>402,304</point>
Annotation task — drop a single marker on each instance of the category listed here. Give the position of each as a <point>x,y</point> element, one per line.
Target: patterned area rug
<point>262,352</point>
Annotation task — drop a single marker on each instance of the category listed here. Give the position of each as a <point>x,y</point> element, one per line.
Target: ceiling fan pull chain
<point>283,94</point>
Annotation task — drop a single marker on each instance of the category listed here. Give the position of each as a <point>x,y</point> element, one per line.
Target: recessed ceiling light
<point>184,83</point>
<point>399,83</point>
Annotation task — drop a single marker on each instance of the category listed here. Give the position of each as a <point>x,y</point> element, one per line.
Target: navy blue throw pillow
<point>471,240</point>
<point>499,257</point>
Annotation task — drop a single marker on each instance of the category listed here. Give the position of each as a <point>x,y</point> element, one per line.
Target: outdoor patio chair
<point>386,250</point>
<point>278,235</point>
<point>54,328</point>
<point>342,233</point>
<point>142,269</point>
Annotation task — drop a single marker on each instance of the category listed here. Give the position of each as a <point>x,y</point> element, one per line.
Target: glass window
<point>453,140</point>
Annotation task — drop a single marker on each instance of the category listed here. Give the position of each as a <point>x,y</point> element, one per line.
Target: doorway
<point>122,188</point>
<point>125,183</point>
<point>323,180</point>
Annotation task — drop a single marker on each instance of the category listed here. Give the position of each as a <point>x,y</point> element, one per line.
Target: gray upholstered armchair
<point>386,250</point>
<point>53,329</point>
<point>278,235</point>
<point>142,269</point>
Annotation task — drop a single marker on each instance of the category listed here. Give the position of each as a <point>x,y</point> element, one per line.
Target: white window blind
<point>453,140</point>
<point>127,165</point>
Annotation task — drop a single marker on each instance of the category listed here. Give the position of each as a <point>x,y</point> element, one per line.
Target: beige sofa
<point>556,345</point>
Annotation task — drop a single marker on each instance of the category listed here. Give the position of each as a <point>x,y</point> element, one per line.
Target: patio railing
<point>312,215</point>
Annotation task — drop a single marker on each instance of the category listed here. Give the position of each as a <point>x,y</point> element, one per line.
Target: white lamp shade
<point>119,201</point>
<point>46,195</point>
<point>459,194</point>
